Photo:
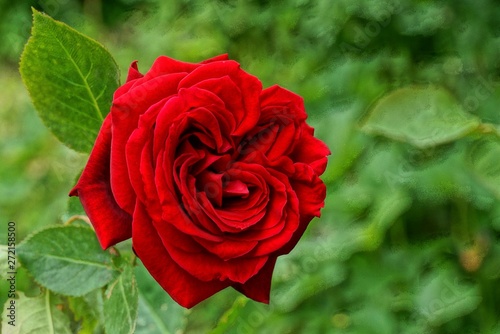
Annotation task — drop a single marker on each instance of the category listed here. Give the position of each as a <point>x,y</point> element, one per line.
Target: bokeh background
<point>409,239</point>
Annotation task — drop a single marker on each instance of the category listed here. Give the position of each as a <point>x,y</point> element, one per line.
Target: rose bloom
<point>210,175</point>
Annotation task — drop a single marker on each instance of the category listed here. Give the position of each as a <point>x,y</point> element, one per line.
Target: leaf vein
<point>86,84</point>
<point>49,313</point>
<point>76,261</point>
<point>124,296</point>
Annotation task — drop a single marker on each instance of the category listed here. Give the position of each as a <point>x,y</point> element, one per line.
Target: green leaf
<point>229,318</point>
<point>67,260</point>
<point>86,312</point>
<point>484,161</point>
<point>71,80</point>
<point>444,297</point>
<point>121,303</point>
<point>73,209</point>
<point>373,320</point>
<point>7,260</point>
<point>384,213</point>
<point>288,295</point>
<point>158,313</point>
<point>37,315</point>
<point>338,130</point>
<point>423,116</point>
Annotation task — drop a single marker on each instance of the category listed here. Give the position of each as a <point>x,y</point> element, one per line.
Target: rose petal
<point>287,248</point>
<point>226,90</point>
<point>133,72</point>
<point>193,258</point>
<point>111,223</point>
<point>311,151</point>
<point>125,113</point>
<point>249,85</point>
<point>133,76</point>
<point>235,188</point>
<point>259,286</point>
<point>311,195</point>
<point>138,152</point>
<point>276,96</point>
<point>165,66</point>
<point>271,242</point>
<point>181,106</point>
<point>227,249</point>
<point>221,57</point>
<point>181,286</point>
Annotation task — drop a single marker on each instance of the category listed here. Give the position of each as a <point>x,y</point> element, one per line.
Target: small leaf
<point>67,260</point>
<point>37,315</point>
<point>422,116</point>
<point>71,79</point>
<point>158,313</point>
<point>121,303</point>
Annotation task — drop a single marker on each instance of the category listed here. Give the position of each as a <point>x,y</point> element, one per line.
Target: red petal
<point>110,222</point>
<point>311,151</point>
<point>258,287</point>
<point>216,58</point>
<point>228,249</point>
<point>249,86</point>
<point>281,102</point>
<point>165,65</point>
<point>181,286</point>
<point>133,72</point>
<point>193,258</point>
<point>235,188</point>
<point>125,113</point>
<point>304,222</point>
<point>311,195</point>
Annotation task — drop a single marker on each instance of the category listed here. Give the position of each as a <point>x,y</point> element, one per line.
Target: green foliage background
<point>409,240</point>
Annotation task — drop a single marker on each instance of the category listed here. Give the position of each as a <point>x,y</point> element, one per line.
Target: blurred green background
<point>409,239</point>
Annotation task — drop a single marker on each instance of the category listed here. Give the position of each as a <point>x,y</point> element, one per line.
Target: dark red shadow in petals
<point>259,287</point>
<point>180,106</point>
<point>272,242</point>
<point>111,223</point>
<point>181,286</point>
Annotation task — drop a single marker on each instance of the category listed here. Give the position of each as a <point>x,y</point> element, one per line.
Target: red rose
<point>211,176</point>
